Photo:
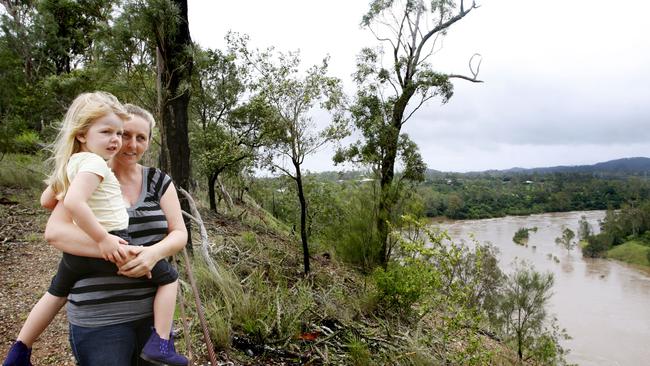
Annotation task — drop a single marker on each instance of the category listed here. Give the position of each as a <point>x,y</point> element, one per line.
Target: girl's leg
<point>159,348</point>
<point>40,317</point>
<point>163,308</point>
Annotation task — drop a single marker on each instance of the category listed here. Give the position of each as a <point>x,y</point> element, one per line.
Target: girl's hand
<point>144,261</point>
<point>112,248</point>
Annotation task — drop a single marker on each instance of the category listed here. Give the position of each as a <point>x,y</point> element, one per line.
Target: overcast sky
<point>566,82</point>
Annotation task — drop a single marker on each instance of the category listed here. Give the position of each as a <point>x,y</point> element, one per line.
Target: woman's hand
<point>140,265</point>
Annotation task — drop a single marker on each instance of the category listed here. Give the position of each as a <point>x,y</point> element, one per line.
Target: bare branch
<point>196,217</point>
<point>422,101</point>
<point>442,26</point>
<point>381,39</point>
<point>478,67</point>
<point>432,52</point>
<point>285,171</point>
<point>472,79</point>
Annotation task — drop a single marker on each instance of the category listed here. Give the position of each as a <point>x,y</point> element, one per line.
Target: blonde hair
<point>84,110</point>
<point>134,110</point>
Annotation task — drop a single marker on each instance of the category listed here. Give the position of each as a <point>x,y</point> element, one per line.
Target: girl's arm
<point>67,237</point>
<point>170,245</point>
<point>76,201</point>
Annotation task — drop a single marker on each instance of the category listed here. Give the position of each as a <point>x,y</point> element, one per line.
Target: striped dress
<point>112,299</point>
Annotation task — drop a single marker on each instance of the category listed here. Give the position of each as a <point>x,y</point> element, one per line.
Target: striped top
<point>106,300</point>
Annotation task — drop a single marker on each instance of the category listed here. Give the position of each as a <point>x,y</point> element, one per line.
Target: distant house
<point>529,182</point>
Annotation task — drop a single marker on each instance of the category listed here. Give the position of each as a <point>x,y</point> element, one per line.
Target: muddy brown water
<point>603,304</point>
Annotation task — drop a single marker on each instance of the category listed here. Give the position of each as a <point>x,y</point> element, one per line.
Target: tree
<point>584,228</point>
<point>168,28</point>
<point>69,28</point>
<point>170,25</point>
<point>230,130</point>
<point>521,316</point>
<point>232,145</point>
<point>413,28</point>
<point>566,240</point>
<point>292,98</point>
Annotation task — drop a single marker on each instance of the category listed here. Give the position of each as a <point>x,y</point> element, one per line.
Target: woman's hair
<point>81,114</point>
<point>134,110</point>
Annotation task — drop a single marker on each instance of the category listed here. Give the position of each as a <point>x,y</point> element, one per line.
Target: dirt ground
<point>27,263</point>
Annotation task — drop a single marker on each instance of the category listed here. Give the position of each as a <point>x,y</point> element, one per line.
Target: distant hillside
<point>619,166</point>
<point>625,166</point>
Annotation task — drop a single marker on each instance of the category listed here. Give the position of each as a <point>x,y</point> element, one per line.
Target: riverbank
<point>633,252</point>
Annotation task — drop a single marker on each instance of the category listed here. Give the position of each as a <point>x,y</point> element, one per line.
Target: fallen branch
<point>196,217</point>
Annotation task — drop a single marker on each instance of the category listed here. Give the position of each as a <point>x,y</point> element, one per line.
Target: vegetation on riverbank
<point>633,252</point>
<point>624,235</point>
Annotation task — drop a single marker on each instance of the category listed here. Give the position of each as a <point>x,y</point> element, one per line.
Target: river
<point>604,305</point>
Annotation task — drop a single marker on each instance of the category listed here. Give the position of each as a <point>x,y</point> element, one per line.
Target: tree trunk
<point>174,71</point>
<point>387,196</point>
<point>211,194</point>
<point>226,196</point>
<point>303,217</point>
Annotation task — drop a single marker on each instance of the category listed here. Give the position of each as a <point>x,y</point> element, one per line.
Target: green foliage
<point>597,245</point>
<point>484,195</point>
<point>292,97</point>
<point>632,222</point>
<point>358,352</point>
<point>432,276</point>
<point>229,128</point>
<point>522,320</point>
<point>566,240</point>
<point>355,237</point>
<point>522,234</point>
<point>22,171</point>
<point>400,287</point>
<point>631,252</point>
<point>27,142</point>
<point>584,228</point>
<point>386,90</point>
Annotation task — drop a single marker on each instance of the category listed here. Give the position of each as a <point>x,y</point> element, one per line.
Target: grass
<point>22,171</point>
<point>632,252</point>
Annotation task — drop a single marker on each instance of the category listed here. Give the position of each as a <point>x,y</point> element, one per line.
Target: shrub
<point>597,245</point>
<point>521,236</point>
<point>433,278</point>
<point>358,352</point>
<point>27,142</point>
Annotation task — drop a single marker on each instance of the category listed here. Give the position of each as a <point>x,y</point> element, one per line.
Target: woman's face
<point>135,140</point>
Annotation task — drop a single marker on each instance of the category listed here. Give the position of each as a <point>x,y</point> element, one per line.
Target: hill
<point>260,308</point>
<point>624,166</point>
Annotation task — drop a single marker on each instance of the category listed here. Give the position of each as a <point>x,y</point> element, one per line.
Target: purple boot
<point>162,352</point>
<point>19,355</point>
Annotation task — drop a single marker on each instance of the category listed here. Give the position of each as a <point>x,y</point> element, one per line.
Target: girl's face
<point>135,140</point>
<point>103,137</point>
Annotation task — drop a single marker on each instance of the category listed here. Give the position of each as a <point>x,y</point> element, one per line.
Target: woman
<point>111,316</point>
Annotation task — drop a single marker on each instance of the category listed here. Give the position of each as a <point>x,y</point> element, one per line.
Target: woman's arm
<point>170,245</point>
<point>48,198</point>
<point>67,237</point>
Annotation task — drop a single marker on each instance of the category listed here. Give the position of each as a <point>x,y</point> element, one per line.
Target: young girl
<point>83,182</point>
